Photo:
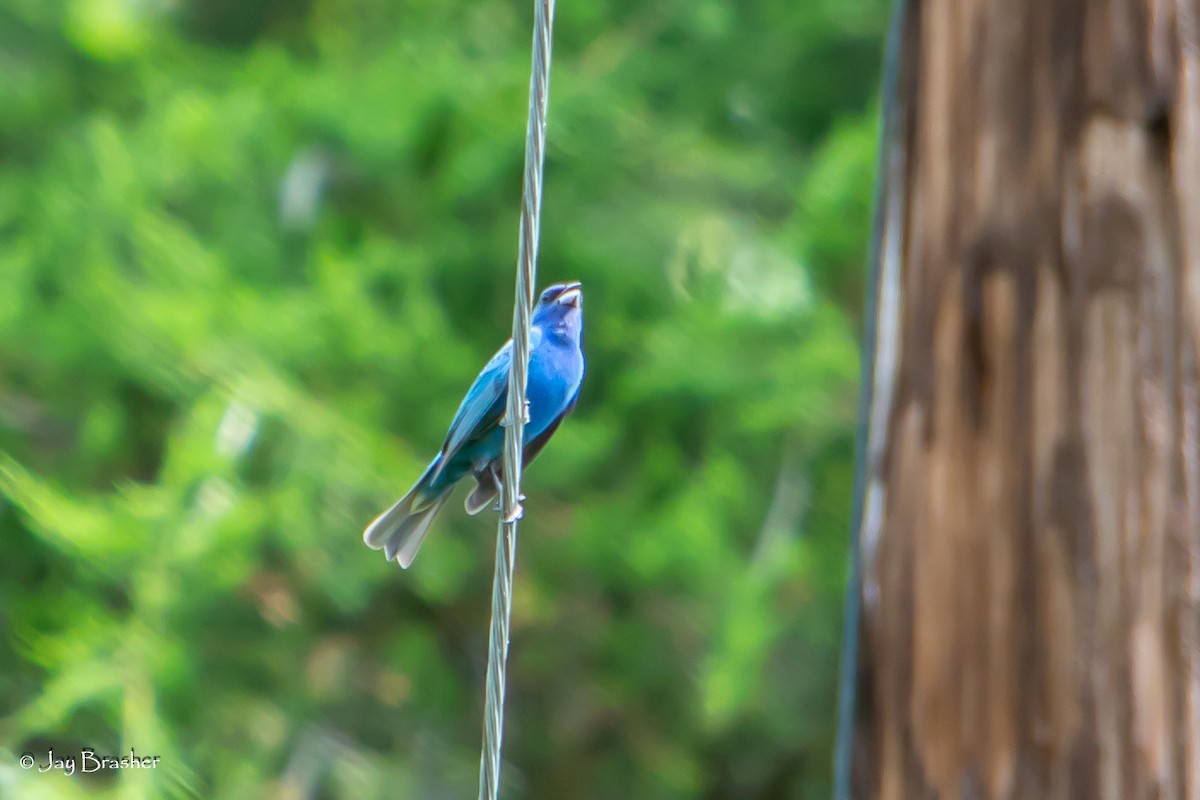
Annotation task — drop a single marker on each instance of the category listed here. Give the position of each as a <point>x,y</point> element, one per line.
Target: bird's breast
<point>555,373</point>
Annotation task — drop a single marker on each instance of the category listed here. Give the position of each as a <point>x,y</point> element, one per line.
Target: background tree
<point>1032,538</point>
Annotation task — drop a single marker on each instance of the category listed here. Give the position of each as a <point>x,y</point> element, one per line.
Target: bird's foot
<point>517,512</point>
<point>505,421</point>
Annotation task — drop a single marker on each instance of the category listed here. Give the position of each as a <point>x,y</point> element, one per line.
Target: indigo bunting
<point>475,443</point>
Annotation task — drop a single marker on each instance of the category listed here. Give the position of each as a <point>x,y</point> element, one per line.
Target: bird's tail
<point>400,530</point>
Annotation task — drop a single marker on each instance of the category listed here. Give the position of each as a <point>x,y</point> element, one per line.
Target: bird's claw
<point>505,421</point>
<point>518,510</point>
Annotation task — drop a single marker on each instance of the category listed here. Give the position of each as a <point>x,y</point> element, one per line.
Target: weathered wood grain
<point>1032,553</point>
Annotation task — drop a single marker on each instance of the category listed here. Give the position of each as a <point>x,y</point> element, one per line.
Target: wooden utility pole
<point>1031,543</point>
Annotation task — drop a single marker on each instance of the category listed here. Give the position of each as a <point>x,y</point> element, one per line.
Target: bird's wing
<point>483,407</point>
<point>483,404</point>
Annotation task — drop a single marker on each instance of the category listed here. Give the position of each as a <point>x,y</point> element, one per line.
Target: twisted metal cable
<point>517,409</point>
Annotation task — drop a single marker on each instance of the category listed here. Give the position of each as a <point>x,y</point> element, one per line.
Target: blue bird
<point>475,443</point>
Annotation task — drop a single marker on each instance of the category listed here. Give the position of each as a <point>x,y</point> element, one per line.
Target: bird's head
<point>560,309</point>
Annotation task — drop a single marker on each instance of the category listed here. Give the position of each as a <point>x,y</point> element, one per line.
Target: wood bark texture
<point>1031,549</point>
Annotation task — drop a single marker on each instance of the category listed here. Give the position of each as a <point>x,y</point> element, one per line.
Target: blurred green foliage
<point>253,251</point>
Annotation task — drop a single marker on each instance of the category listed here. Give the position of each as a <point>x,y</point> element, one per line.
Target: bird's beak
<point>571,296</point>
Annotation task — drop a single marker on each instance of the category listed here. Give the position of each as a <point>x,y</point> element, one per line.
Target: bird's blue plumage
<point>475,441</point>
